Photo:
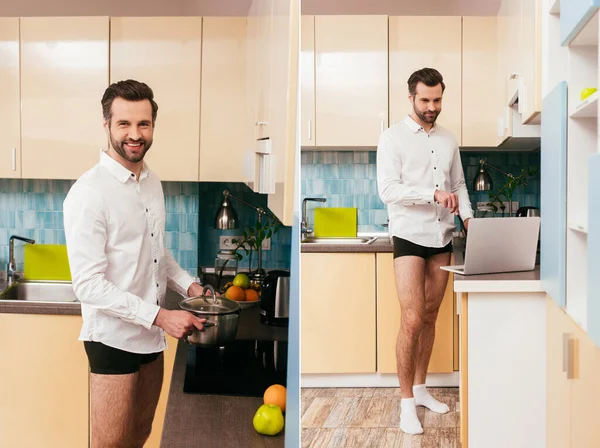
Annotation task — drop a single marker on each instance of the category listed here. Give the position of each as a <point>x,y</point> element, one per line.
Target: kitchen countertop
<point>217,420</point>
<point>382,244</point>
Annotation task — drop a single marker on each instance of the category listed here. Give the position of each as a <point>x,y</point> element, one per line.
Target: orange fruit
<point>275,394</point>
<point>235,293</point>
<point>251,295</point>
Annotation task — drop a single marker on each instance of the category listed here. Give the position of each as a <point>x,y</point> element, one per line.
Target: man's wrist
<point>158,320</point>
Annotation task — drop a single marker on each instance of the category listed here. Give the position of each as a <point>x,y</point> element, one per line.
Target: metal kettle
<point>527,211</point>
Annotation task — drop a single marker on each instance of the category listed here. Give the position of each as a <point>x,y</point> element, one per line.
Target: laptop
<point>497,245</point>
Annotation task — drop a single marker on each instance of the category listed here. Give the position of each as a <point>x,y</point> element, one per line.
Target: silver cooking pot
<point>221,316</point>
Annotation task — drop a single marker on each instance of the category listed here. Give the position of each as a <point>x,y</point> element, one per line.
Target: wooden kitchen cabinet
<point>410,51</point>
<point>558,401</point>
<point>307,104</point>
<point>165,53</point>
<point>43,382</point>
<point>10,99</point>
<point>338,313</point>
<point>479,76</point>
<point>64,73</point>
<point>161,408</point>
<point>573,387</point>
<point>388,322</point>
<point>585,391</point>
<point>351,81</point>
<point>224,128</point>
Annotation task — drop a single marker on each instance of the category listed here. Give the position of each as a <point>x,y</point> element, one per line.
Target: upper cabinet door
<point>531,59</point>
<point>418,42</point>
<point>225,129</point>
<point>259,59</point>
<point>64,73</point>
<point>479,73</point>
<point>351,79</point>
<point>307,120</point>
<point>165,53</point>
<point>10,100</point>
<point>553,246</point>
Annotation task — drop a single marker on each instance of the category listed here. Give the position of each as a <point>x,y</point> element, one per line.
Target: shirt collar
<point>119,171</point>
<point>416,127</point>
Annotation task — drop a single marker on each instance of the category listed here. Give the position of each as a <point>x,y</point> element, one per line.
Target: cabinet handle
<point>573,343</point>
<point>382,126</point>
<point>14,159</point>
<point>565,357</point>
<point>262,123</point>
<point>309,130</point>
<point>514,75</point>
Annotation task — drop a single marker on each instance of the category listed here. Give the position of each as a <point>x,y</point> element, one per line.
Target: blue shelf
<point>593,241</point>
<point>575,16</point>
<point>553,203</point>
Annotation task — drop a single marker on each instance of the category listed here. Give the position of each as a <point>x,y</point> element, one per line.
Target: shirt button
<point>433,168</point>
<point>155,260</point>
<point>157,285</point>
<point>431,152</point>
<point>146,210</point>
<point>151,234</point>
<point>436,185</point>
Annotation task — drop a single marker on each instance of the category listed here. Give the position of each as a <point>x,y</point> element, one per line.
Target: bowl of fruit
<point>242,291</point>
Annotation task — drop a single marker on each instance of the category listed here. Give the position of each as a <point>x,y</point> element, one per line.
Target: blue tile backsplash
<point>33,209</point>
<point>349,179</point>
<point>211,197</point>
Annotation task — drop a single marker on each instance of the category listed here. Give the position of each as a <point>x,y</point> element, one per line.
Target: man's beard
<point>119,147</point>
<point>426,118</point>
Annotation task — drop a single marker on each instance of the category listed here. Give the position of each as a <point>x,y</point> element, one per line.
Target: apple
<point>587,92</point>
<point>268,420</point>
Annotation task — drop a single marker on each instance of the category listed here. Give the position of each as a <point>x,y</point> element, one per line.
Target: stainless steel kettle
<point>527,211</point>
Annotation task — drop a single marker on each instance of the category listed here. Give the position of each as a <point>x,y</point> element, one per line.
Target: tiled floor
<point>370,418</point>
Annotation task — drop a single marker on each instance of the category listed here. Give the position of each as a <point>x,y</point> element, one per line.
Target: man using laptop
<point>420,179</point>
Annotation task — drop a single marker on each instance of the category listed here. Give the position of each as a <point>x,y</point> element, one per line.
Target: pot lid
<point>208,305</point>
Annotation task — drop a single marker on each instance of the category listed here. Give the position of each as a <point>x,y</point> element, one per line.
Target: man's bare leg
<point>410,286</point>
<point>112,409</point>
<point>147,394</point>
<point>435,285</point>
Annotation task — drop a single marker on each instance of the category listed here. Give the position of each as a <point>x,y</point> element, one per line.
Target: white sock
<point>409,422</point>
<point>424,398</point>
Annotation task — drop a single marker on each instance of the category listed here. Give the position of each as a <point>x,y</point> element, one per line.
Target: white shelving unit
<point>581,60</point>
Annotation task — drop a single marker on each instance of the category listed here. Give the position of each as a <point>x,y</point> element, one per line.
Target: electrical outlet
<point>225,242</point>
<point>515,206</point>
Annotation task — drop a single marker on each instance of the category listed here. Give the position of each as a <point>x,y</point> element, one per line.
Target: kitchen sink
<point>40,291</point>
<point>341,240</point>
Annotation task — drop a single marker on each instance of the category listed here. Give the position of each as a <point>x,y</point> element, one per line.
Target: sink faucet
<point>306,231</point>
<point>12,275</point>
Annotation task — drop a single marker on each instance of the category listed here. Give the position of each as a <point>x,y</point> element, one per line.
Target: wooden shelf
<point>588,108</point>
<point>578,227</point>
<point>554,7</point>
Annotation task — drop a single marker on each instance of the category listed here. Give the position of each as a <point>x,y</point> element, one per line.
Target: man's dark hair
<point>428,76</point>
<point>129,90</point>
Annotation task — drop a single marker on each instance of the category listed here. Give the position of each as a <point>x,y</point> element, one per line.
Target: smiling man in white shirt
<point>114,219</point>
<point>421,180</point>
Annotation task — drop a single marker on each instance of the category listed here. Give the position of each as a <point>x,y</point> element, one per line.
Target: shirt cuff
<point>146,314</point>
<point>429,195</point>
<point>465,213</point>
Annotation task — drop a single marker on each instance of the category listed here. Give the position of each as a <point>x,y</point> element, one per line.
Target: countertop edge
<point>494,286</point>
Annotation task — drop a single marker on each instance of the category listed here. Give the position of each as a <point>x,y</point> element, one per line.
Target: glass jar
<point>226,262</point>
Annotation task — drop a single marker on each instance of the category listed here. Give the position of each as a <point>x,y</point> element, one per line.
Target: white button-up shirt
<point>115,230</point>
<point>411,165</point>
